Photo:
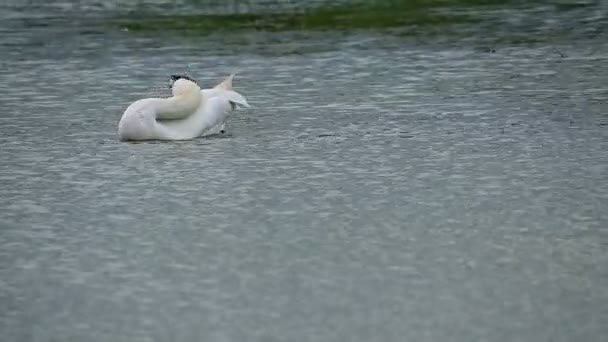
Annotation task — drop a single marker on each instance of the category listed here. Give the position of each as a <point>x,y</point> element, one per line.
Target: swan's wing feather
<point>235,98</point>
<point>229,95</point>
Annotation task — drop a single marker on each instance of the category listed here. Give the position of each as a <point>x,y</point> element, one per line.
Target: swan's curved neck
<point>179,106</point>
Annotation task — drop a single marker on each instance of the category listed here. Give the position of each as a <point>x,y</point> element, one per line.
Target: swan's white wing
<point>216,112</point>
<point>207,120</point>
<point>229,95</point>
<point>236,98</point>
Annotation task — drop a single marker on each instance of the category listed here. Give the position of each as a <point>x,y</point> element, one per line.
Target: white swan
<point>189,113</point>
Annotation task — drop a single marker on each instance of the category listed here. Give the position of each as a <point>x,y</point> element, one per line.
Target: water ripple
<point>420,193</point>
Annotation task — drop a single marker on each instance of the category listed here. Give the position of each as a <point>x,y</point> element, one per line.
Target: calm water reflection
<point>381,191</point>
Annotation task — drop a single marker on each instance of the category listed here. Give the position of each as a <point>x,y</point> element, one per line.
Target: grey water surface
<point>380,189</point>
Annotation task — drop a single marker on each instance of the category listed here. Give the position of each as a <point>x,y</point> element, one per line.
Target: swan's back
<point>137,120</point>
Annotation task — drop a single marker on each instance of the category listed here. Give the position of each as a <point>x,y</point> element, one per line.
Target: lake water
<point>380,189</point>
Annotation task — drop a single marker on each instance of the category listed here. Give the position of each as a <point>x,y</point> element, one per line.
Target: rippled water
<point>380,190</point>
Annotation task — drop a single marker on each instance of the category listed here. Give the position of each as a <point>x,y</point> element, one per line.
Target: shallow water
<point>380,189</point>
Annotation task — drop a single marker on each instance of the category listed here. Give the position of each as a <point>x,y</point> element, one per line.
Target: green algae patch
<point>358,16</point>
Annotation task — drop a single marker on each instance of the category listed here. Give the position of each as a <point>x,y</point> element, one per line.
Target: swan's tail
<point>226,84</point>
<point>228,92</point>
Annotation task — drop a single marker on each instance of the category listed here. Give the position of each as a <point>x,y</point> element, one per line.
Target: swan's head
<point>182,84</point>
